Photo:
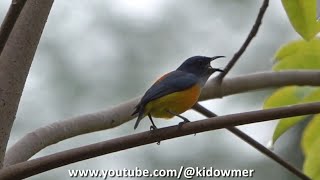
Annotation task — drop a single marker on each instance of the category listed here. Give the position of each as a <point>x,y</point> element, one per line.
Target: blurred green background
<point>94,54</point>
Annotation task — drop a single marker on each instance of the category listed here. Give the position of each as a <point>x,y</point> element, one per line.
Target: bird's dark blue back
<point>172,82</point>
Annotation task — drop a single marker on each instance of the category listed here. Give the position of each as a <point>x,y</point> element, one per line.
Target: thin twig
<point>254,144</point>
<point>42,164</point>
<point>251,35</point>
<point>9,21</point>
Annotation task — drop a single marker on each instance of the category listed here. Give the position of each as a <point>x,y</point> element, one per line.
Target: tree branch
<point>42,164</point>
<point>255,81</point>
<point>218,80</point>
<point>254,143</point>
<point>15,62</point>
<point>10,20</point>
<point>246,43</point>
<point>40,138</point>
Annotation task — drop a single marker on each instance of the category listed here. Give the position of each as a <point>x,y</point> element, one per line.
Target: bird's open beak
<point>215,69</point>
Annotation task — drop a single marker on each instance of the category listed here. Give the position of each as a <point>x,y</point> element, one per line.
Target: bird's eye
<point>201,63</point>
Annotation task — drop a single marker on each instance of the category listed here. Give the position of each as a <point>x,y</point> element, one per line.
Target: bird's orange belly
<point>177,102</point>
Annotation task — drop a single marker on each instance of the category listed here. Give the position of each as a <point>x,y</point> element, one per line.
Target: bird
<point>177,91</point>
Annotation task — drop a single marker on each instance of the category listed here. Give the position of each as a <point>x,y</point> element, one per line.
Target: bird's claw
<point>186,120</point>
<point>152,128</point>
<point>182,123</point>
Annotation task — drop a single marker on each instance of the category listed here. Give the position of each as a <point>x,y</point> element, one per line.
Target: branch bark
<point>254,144</point>
<point>42,164</point>
<point>256,81</point>
<point>15,62</point>
<point>10,20</point>
<point>37,140</point>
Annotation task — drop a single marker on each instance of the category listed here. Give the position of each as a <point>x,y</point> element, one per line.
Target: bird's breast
<point>177,102</point>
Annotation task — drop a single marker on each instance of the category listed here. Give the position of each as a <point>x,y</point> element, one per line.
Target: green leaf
<point>317,177</point>
<point>286,96</point>
<point>284,125</point>
<point>299,61</point>
<point>298,55</point>
<point>290,49</point>
<point>312,131</point>
<point>311,166</point>
<point>302,15</point>
<point>312,96</point>
<point>298,47</point>
<point>310,134</point>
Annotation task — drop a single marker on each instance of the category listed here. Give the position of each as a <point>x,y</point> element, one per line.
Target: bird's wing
<point>169,83</point>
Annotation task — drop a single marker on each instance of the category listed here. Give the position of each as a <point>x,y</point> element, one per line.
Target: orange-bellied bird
<point>176,91</point>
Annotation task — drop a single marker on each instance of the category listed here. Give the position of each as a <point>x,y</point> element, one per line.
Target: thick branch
<point>251,35</point>
<point>40,138</point>
<point>36,166</point>
<point>10,20</point>
<point>254,143</point>
<point>15,62</point>
<point>256,81</point>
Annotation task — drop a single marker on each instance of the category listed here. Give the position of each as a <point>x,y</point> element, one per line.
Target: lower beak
<point>215,69</point>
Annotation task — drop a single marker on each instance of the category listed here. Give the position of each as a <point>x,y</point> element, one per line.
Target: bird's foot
<point>182,123</point>
<point>185,120</point>
<point>153,127</point>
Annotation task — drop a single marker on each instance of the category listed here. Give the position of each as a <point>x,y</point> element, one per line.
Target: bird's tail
<point>139,109</point>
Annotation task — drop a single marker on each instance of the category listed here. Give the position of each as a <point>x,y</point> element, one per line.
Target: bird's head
<point>199,66</point>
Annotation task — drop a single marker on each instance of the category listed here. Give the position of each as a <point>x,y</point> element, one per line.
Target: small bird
<point>176,91</point>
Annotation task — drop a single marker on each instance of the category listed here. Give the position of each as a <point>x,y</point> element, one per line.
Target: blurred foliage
<point>311,164</point>
<point>282,97</point>
<point>294,54</point>
<point>300,54</point>
<point>302,15</point>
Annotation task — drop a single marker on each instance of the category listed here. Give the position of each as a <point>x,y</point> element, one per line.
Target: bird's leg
<point>153,126</point>
<point>185,120</point>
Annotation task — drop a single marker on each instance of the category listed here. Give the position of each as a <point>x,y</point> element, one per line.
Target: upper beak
<point>216,57</point>
<point>215,69</point>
